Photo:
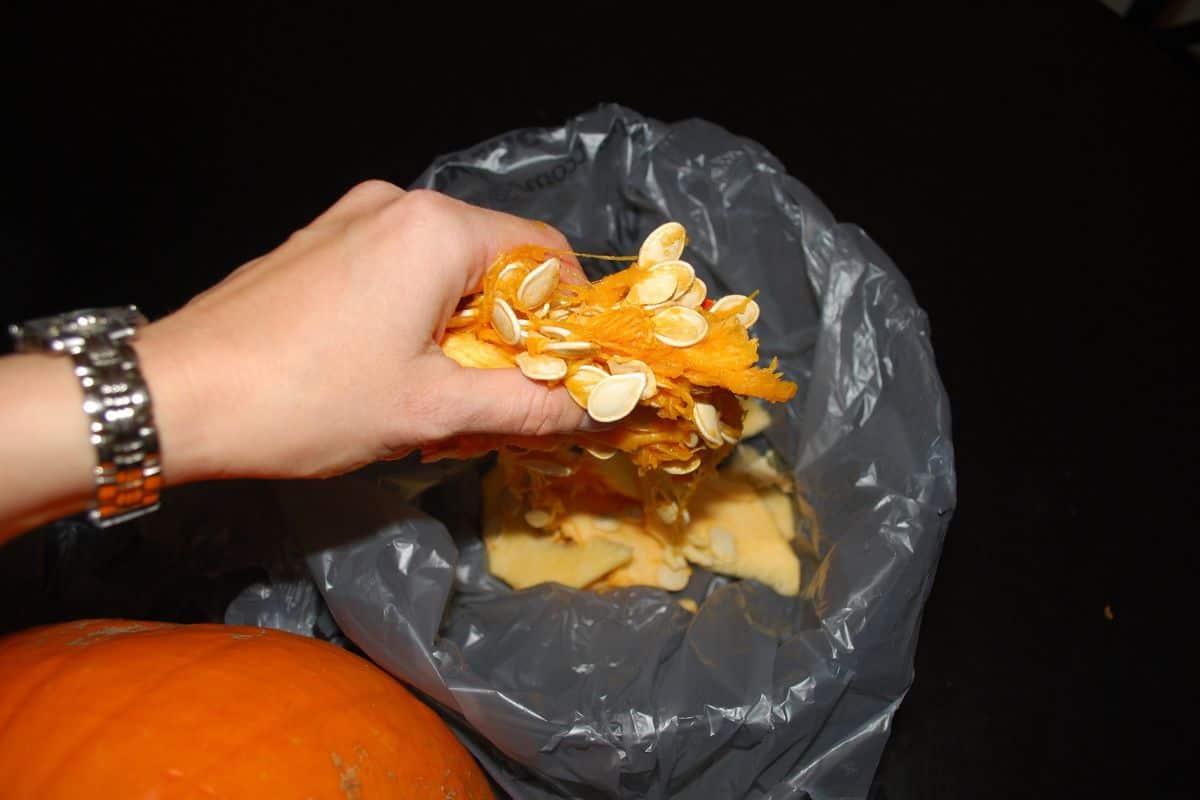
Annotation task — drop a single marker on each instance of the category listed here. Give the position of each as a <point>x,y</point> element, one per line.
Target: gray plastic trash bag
<point>565,693</point>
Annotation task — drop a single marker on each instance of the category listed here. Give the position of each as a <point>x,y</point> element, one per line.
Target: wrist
<point>78,413</point>
<point>173,359</point>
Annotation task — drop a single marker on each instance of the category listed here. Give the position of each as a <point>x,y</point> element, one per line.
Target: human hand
<point>322,355</point>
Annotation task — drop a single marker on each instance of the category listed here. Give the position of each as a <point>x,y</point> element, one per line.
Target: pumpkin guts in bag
<point>647,351</point>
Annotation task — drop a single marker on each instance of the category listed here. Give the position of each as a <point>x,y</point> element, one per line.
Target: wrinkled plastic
<point>565,693</point>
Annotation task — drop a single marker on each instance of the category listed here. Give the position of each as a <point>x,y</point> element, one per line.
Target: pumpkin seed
<point>539,284</point>
<point>462,318</point>
<point>750,315</point>
<point>569,348</point>
<point>684,275</point>
<point>695,295</point>
<point>554,330</point>
<point>537,518</point>
<point>747,316</point>
<point>541,368</point>
<point>554,469</point>
<point>655,288</point>
<point>622,366</point>
<point>681,467</point>
<point>559,314</point>
<point>728,435</point>
<point>708,422</point>
<point>505,321</point>
<point>678,326</point>
<point>580,384</point>
<point>597,451</point>
<point>616,396</point>
<point>665,243</point>
<point>668,512</point>
<point>509,267</point>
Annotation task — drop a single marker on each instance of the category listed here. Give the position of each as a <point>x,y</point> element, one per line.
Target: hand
<point>321,356</point>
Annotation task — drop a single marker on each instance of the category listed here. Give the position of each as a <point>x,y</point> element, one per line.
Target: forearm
<point>313,360</point>
<point>47,463</point>
<point>46,469</point>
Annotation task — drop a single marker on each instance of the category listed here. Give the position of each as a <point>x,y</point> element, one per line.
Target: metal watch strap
<point>121,427</point>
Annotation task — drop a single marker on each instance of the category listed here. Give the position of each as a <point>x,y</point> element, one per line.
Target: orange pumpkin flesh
<point>115,708</point>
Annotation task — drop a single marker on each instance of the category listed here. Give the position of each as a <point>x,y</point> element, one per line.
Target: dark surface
<point>1058,147</point>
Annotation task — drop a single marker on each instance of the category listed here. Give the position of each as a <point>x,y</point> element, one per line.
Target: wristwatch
<point>116,400</point>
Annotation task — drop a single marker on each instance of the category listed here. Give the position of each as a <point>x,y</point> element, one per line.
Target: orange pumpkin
<point>116,708</point>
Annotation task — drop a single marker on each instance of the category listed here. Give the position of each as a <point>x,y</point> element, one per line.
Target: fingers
<point>363,199</point>
<point>499,232</point>
<point>572,272</point>
<point>483,234</point>
<point>503,401</point>
<point>465,239</point>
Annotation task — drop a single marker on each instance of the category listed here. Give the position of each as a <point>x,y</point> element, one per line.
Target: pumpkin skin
<point>117,708</point>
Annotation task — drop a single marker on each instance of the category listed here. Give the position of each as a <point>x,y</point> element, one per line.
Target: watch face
<point>64,332</point>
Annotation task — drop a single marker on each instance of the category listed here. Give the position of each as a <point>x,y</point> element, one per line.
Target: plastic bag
<point>565,693</point>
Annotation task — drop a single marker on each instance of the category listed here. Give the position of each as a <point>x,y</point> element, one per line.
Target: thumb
<point>503,401</point>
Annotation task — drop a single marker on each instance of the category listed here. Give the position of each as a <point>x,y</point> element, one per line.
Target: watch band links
<point>128,473</point>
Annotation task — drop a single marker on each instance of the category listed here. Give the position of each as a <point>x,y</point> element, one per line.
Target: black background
<point>1033,171</point>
